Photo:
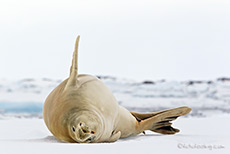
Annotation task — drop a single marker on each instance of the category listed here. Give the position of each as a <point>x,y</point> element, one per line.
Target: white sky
<point>145,39</point>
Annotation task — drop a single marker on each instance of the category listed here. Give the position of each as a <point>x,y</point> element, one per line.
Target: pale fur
<point>86,97</point>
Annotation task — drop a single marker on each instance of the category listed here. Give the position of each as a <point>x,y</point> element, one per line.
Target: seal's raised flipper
<point>160,122</point>
<point>72,81</point>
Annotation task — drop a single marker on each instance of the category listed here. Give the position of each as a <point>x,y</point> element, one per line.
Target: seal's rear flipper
<point>160,122</point>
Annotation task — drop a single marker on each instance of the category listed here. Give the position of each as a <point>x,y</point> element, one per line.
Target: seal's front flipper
<point>114,137</point>
<point>160,122</point>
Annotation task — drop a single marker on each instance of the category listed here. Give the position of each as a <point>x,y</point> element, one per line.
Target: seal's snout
<point>83,130</point>
<point>84,133</point>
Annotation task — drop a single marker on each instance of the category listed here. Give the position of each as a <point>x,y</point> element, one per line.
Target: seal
<point>82,109</point>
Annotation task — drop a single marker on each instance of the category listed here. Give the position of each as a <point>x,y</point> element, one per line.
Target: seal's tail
<point>72,81</point>
<point>160,122</point>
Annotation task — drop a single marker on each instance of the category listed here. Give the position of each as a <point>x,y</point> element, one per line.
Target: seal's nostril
<point>92,132</point>
<point>73,128</point>
<point>84,130</point>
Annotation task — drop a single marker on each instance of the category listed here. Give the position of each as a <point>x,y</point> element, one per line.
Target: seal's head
<point>85,127</point>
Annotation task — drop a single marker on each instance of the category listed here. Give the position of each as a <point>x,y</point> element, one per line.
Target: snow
<point>198,135</point>
<point>204,130</point>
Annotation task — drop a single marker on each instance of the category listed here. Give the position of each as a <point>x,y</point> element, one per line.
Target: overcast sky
<point>144,39</point>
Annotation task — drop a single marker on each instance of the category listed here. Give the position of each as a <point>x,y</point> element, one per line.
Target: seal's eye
<point>73,129</point>
<point>92,132</point>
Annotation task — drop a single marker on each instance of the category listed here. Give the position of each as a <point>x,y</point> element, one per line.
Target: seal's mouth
<point>87,140</point>
<point>90,139</point>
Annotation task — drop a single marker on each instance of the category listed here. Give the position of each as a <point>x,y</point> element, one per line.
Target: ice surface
<point>197,135</point>
<point>205,130</point>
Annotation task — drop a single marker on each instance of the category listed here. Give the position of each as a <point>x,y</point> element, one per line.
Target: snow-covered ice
<point>204,130</point>
<point>198,135</point>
